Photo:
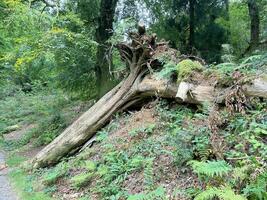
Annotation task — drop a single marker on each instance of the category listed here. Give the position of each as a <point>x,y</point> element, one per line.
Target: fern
<point>210,168</point>
<point>158,194</point>
<point>223,193</point>
<point>257,190</point>
<point>168,70</point>
<point>148,174</point>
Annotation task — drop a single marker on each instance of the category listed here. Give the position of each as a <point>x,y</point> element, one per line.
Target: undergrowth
<point>47,111</point>
<point>110,170</point>
<point>188,152</point>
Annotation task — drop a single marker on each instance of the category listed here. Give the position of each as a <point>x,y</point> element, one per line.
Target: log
<point>120,98</point>
<point>198,94</point>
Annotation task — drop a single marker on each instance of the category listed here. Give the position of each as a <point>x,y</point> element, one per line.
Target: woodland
<point>133,100</point>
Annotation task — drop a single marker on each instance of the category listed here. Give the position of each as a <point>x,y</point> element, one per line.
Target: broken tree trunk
<point>137,86</point>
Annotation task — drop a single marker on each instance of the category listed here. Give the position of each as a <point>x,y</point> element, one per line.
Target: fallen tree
<point>141,58</point>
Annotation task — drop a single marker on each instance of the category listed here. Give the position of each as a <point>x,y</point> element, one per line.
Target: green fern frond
<point>204,154</point>
<point>257,190</point>
<point>240,173</point>
<point>207,194</point>
<point>227,193</point>
<point>224,193</point>
<point>158,193</point>
<point>167,71</point>
<point>211,168</point>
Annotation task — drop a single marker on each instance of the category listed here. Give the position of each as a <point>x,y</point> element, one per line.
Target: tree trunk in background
<point>226,2</point>
<point>191,40</point>
<point>103,34</point>
<point>254,23</point>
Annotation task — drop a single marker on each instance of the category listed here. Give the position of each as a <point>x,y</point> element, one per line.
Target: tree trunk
<point>191,40</point>
<point>85,127</point>
<point>254,23</point>
<point>226,2</point>
<point>103,34</point>
<point>137,86</point>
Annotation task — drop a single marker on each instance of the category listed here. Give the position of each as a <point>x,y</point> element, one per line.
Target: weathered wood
<point>198,94</point>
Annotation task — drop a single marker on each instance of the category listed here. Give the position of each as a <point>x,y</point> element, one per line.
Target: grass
<point>23,182</point>
<point>24,185</point>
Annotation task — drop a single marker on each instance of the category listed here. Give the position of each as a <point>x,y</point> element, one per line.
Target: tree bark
<point>226,2</point>
<point>103,34</point>
<point>191,40</point>
<point>254,23</point>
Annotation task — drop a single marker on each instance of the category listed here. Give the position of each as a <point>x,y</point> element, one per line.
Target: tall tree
<point>254,23</point>
<point>191,40</point>
<point>103,34</point>
<point>226,2</point>
<point>183,22</point>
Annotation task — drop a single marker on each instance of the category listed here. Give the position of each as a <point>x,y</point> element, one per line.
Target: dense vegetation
<point>58,57</point>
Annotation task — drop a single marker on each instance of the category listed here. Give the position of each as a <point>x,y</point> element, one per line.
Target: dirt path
<point>6,191</point>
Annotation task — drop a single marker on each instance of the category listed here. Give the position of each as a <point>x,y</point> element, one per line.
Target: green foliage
<point>173,25</point>
<point>148,174</point>
<point>54,174</point>
<point>177,137</point>
<point>117,165</point>
<point>46,112</point>
<point>158,193</point>
<point>257,189</point>
<point>251,132</point>
<point>202,146</point>
<point>181,140</point>
<point>14,160</point>
<point>239,27</point>
<point>186,67</point>
<point>90,165</point>
<point>46,48</point>
<point>122,27</point>
<point>25,184</point>
<point>81,180</point>
<point>223,193</point>
<point>168,70</point>
<point>148,130</point>
<point>210,168</point>
<point>227,54</point>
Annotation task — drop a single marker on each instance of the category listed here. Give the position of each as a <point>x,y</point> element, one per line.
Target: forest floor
<point>145,154</point>
<point>162,150</point>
